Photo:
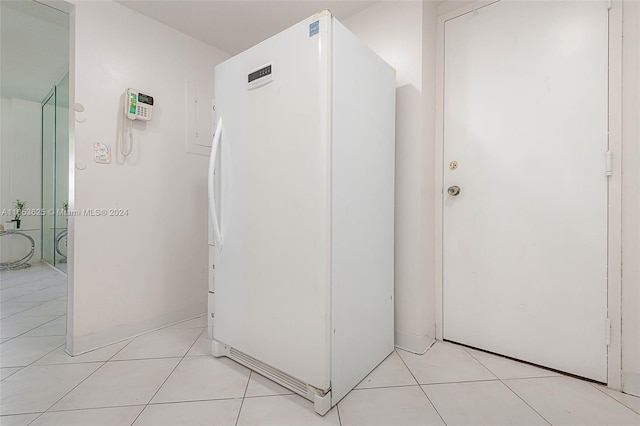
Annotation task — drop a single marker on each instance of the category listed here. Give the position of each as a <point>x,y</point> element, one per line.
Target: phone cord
<point>122,149</point>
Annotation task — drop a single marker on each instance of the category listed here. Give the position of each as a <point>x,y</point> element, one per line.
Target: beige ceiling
<point>34,49</point>
<point>234,26</point>
<point>34,44</point>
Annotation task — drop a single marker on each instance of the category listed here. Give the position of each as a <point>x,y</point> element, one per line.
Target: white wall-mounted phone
<point>137,106</point>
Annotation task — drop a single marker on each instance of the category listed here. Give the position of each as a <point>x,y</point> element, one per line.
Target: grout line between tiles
<point>36,360</point>
<point>22,414</point>
<point>17,371</point>
<point>244,396</point>
<point>146,358</point>
<point>167,378</point>
<point>71,390</point>
<point>535,378</point>
<point>6,341</point>
<point>406,366</point>
<point>39,303</point>
<point>273,395</point>
<point>44,277</point>
<point>384,387</point>
<point>611,396</point>
<point>26,273</point>
<point>31,329</point>
<point>508,387</point>
<point>528,405</point>
<point>421,389</point>
<point>459,382</point>
<point>82,381</point>
<point>19,312</point>
<point>31,292</point>
<point>12,300</point>
<point>338,411</point>
<point>66,410</point>
<point>231,398</point>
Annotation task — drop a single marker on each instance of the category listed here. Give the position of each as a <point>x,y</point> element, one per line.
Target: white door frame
<point>614,226</point>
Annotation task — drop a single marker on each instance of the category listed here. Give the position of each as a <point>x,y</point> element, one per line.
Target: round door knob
<point>453,190</point>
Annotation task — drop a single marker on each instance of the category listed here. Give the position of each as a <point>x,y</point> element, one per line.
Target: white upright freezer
<point>301,187</point>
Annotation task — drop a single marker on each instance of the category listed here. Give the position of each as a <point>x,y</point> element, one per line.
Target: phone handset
<point>137,106</point>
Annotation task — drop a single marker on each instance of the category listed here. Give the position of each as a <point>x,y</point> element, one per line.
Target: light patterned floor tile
<point>505,368</point>
<point>261,386</point>
<point>25,277</point>
<point>630,401</point>
<point>115,416</point>
<point>12,294</point>
<point>444,363</point>
<point>59,356</point>
<point>201,413</point>
<point>10,308</point>
<point>199,322</point>
<point>36,388</point>
<point>46,295</point>
<point>201,378</point>
<point>391,372</point>
<point>16,325</point>
<point>567,401</point>
<point>6,372</point>
<point>165,343</point>
<point>22,351</point>
<point>38,283</point>
<point>287,410</point>
<point>53,307</point>
<point>119,383</point>
<point>202,347</point>
<point>480,403</point>
<point>405,406</point>
<point>18,420</point>
<point>57,327</point>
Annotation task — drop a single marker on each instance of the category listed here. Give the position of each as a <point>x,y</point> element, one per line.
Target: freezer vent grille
<point>292,383</point>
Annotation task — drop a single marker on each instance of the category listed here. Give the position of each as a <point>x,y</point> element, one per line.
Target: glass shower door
<point>48,176</point>
<point>61,173</point>
<point>55,174</point>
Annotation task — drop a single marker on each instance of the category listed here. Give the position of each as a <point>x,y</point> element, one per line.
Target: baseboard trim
<point>83,344</point>
<point>631,383</point>
<point>413,343</point>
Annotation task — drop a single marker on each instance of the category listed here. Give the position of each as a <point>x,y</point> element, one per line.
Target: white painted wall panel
<point>403,34</point>
<point>147,269</point>
<point>631,199</point>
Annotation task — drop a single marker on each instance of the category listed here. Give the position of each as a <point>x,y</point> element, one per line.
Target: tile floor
<point>168,378</point>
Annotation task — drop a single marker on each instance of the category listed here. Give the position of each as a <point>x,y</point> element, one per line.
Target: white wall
<point>135,273</point>
<point>631,199</point>
<point>403,34</point>
<point>20,172</point>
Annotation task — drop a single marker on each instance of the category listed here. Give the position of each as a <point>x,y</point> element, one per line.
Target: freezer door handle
<point>212,197</point>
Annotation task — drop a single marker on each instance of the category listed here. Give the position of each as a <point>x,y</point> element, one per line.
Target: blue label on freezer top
<point>314,28</point>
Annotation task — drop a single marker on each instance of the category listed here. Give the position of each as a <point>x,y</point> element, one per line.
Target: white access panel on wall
<point>525,136</point>
<point>200,118</point>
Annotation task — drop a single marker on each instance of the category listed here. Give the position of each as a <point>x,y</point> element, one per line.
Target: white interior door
<point>525,121</point>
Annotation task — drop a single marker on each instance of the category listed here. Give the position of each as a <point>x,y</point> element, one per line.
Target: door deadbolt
<point>453,190</point>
